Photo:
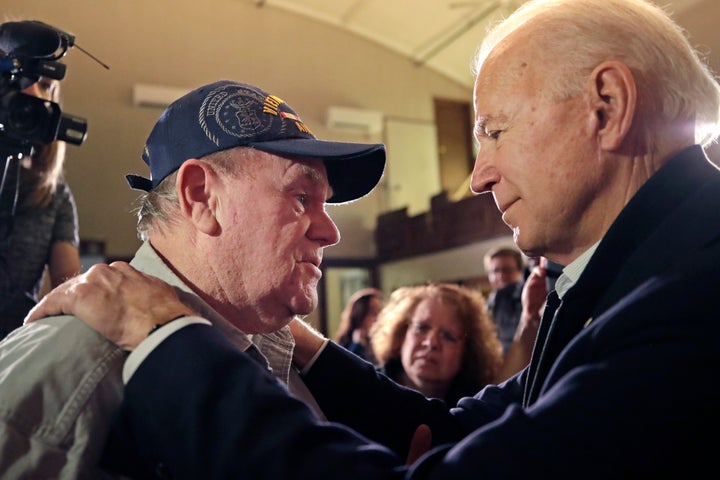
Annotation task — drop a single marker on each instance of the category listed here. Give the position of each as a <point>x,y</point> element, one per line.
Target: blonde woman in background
<point>43,230</point>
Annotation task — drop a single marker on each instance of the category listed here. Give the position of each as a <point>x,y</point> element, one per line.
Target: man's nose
<point>324,230</point>
<point>484,174</point>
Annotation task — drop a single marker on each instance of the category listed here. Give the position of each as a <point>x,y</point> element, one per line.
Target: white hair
<point>158,208</point>
<point>672,81</point>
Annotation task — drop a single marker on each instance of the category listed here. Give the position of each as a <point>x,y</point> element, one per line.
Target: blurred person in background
<point>41,229</point>
<point>504,267</point>
<point>532,304</point>
<point>357,318</point>
<point>437,339</point>
<point>515,304</point>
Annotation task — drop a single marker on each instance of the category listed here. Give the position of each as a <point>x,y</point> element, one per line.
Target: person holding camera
<point>38,225</point>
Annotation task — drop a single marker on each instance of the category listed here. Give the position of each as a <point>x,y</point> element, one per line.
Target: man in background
<point>515,304</point>
<point>504,268</point>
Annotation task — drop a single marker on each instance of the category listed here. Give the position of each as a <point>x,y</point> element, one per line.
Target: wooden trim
<point>447,225</point>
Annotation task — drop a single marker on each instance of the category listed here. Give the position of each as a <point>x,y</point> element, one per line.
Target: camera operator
<point>44,229</point>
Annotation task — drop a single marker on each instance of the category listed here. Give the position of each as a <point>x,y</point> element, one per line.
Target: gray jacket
<point>61,383</point>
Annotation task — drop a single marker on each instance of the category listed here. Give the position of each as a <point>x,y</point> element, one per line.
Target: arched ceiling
<point>440,34</point>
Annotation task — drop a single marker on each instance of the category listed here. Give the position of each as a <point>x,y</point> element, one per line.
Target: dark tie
<point>547,326</point>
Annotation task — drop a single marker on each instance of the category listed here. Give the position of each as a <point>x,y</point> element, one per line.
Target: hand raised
<point>535,290</point>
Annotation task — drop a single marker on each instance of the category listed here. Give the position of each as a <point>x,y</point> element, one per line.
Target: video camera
<point>28,50</point>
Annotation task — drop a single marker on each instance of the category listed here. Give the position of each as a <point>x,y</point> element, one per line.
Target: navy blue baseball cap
<point>228,114</point>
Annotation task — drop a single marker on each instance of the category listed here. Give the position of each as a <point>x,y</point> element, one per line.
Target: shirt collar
<point>274,349</point>
<point>571,273</point>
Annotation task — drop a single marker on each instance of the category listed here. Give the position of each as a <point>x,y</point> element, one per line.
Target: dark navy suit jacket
<point>624,384</point>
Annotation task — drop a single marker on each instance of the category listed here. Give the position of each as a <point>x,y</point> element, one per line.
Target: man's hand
<point>116,300</point>
<point>420,444</point>
<point>307,342</point>
<point>533,297</point>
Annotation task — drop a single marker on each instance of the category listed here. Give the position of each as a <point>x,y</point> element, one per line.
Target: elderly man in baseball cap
<point>233,217</point>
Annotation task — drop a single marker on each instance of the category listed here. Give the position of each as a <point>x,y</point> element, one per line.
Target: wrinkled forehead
<point>511,60</point>
<point>510,71</point>
<point>436,309</point>
<point>312,170</point>
<point>311,167</point>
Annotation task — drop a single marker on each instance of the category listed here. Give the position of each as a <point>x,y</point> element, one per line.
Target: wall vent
<point>354,120</point>
<point>156,95</point>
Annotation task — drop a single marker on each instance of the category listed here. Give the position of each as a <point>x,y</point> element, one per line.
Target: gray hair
<point>159,208</point>
<point>673,83</point>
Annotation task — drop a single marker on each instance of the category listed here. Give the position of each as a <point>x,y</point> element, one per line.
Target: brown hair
<point>504,252</point>
<point>354,313</point>
<point>482,355</point>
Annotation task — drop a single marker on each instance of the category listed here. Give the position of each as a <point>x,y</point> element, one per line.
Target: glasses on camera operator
<point>43,232</point>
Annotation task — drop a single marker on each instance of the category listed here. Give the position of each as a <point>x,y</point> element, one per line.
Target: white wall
<point>456,264</point>
<point>413,176</point>
<point>186,43</point>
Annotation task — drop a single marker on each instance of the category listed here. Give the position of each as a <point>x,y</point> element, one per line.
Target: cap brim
<point>353,169</point>
<point>137,182</point>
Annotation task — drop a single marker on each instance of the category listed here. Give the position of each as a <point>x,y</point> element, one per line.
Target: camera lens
<point>27,115</point>
<point>28,120</point>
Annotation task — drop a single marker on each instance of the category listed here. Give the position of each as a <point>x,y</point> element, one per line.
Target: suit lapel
<point>642,241</point>
<point>546,323</point>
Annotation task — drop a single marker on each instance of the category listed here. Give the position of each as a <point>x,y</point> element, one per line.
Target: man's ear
<point>614,96</point>
<point>196,196</point>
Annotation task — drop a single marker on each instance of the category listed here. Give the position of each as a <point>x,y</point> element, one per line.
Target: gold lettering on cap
<point>301,126</point>
<point>272,104</point>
